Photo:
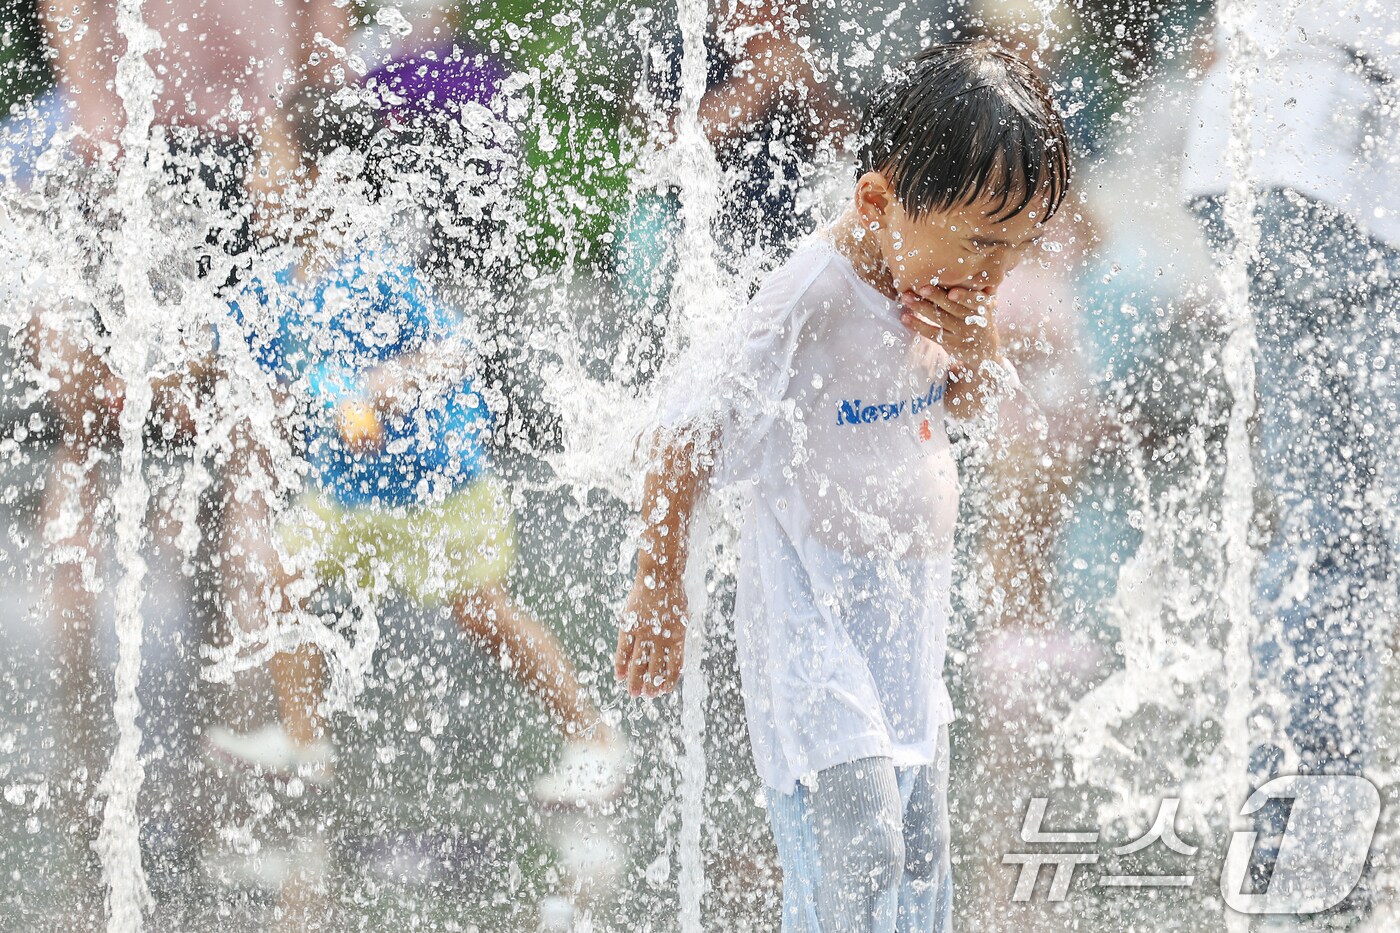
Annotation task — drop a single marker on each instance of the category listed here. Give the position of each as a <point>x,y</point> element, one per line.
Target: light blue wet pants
<point>864,848</point>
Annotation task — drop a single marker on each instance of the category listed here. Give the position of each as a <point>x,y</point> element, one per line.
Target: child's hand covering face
<point>962,319</point>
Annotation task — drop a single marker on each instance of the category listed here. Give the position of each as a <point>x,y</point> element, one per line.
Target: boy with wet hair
<point>828,417</point>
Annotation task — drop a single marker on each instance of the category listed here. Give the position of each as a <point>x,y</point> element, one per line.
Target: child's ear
<point>873,199</point>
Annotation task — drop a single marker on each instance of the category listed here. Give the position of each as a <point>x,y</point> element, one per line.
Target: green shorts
<point>432,552</point>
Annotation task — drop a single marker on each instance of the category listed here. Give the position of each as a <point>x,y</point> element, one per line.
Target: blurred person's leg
<point>1031,485</point>
<point>1029,661</point>
<point>300,680</point>
<point>463,548</point>
<point>460,549</point>
<point>1326,422</point>
<point>249,578</point>
<point>262,590</point>
<point>298,743</point>
<point>299,676</point>
<point>593,763</point>
<point>926,891</point>
<point>64,345</point>
<point>268,587</point>
<point>511,634</point>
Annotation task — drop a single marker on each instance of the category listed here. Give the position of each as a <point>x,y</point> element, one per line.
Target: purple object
<point>441,77</point>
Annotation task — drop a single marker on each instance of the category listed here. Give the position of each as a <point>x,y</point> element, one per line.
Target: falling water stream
<point>696,173</point>
<point>1160,661</point>
<point>1237,506</point>
<point>135,329</point>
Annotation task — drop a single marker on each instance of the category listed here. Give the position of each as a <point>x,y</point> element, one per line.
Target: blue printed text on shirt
<point>857,411</point>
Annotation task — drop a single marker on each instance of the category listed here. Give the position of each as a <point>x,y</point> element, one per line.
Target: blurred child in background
<point>401,490</point>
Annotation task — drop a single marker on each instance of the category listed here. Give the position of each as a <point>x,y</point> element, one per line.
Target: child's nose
<point>992,273</point>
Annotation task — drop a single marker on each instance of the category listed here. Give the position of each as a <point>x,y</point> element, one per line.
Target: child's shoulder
<point>813,279</point>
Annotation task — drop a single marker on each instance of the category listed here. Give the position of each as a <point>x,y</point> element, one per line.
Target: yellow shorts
<point>432,552</point>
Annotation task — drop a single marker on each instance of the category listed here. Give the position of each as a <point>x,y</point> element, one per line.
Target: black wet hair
<point>962,121</point>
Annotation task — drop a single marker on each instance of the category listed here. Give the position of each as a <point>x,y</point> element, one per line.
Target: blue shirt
<point>327,336</point>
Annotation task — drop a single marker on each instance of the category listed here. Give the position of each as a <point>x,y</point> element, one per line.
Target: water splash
<point>1238,361</point>
<point>698,176</point>
<point>134,331</point>
<point>1183,670</point>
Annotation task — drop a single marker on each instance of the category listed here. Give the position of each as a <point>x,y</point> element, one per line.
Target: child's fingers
<point>922,327</point>
<point>976,300</point>
<point>656,671</point>
<point>623,654</point>
<point>963,303</point>
<point>930,320</point>
<point>941,320</point>
<point>940,299</point>
<point>637,668</point>
<point>931,311</point>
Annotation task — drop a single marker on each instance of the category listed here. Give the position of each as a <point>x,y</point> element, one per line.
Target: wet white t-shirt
<point>830,420</point>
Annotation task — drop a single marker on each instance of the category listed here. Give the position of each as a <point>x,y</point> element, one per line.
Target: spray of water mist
<point>1163,579</point>
<point>1167,605</point>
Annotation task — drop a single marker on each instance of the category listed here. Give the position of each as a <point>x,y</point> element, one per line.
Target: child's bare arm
<point>651,641</point>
